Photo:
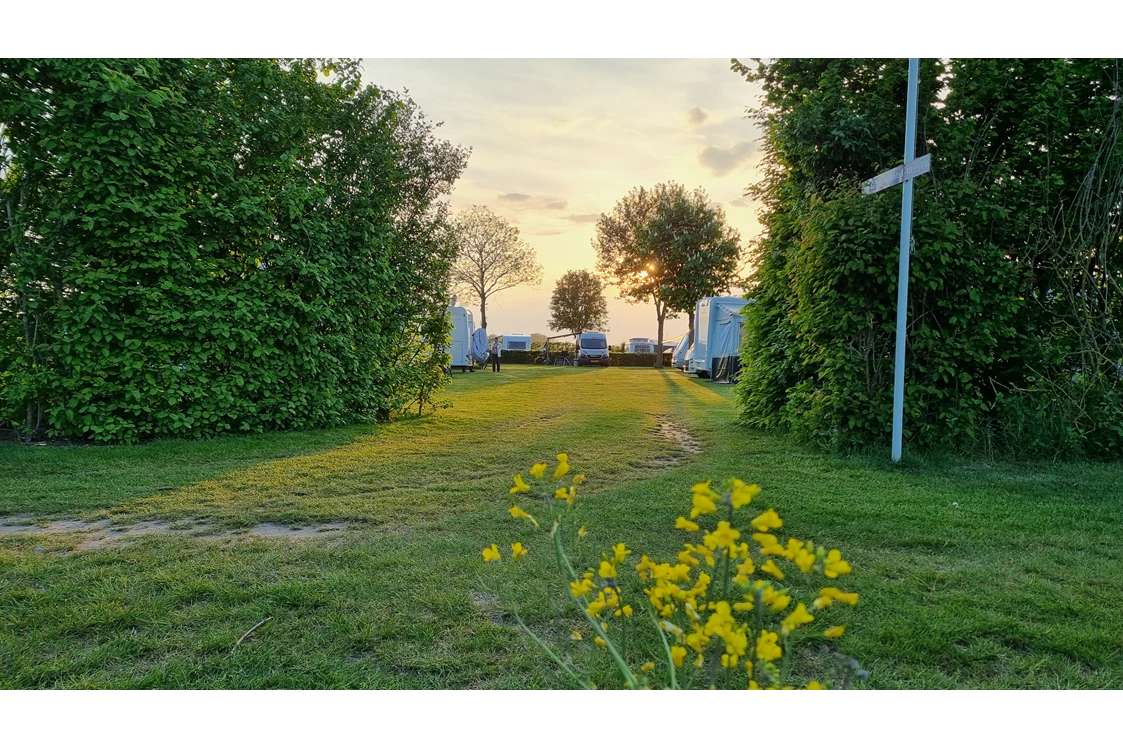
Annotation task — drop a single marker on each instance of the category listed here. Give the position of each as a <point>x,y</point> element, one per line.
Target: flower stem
<point>666,648</point>
<point>546,648</point>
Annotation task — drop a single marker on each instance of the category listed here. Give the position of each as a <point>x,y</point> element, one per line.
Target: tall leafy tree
<point>578,304</point>
<point>490,257</point>
<point>666,246</point>
<point>701,253</point>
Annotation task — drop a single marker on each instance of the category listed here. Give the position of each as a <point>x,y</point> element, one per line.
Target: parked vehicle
<point>717,337</point>
<point>641,345</point>
<point>514,342</point>
<point>463,329</point>
<point>678,359</point>
<point>592,348</point>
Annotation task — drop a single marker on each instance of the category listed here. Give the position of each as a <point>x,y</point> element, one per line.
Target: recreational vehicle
<point>592,348</point>
<point>514,342</point>
<point>641,345</point>
<point>463,328</point>
<point>717,337</point>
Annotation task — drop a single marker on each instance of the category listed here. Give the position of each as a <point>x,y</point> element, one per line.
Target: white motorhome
<point>592,348</point>
<point>641,345</point>
<point>717,337</point>
<point>463,328</point>
<point>514,342</point>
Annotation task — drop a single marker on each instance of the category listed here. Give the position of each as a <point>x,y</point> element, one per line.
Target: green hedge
<point>203,246</point>
<point>616,359</point>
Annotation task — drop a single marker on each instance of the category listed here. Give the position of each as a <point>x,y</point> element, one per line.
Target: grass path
<point>971,575</point>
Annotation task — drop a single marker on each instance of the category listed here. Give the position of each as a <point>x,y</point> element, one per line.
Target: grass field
<point>971,575</point>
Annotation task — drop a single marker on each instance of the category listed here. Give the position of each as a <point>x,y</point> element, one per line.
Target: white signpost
<point>913,167</point>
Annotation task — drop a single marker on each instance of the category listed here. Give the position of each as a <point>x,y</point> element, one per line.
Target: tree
<point>578,303</point>
<point>700,252</point>
<point>667,246</point>
<point>490,257</point>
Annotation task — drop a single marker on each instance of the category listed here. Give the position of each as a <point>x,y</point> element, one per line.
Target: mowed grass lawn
<point>983,576</point>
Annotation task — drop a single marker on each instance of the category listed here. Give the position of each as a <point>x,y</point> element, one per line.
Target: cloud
<point>583,217</point>
<point>697,115</point>
<point>523,201</point>
<point>721,161</point>
<point>741,203</point>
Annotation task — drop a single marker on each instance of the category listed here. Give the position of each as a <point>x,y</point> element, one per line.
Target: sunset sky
<point>557,142</point>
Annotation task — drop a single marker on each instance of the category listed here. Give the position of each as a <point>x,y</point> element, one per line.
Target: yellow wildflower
<point>770,567</point>
<point>678,655</point>
<point>620,552</point>
<point>647,667</point>
<point>607,570</point>
<point>491,554</point>
<point>702,551</point>
<point>682,523</point>
<point>597,605</point>
<point>765,538</point>
<point>520,514</point>
<point>767,521</point>
<point>804,560</point>
<point>766,648</point>
<point>579,479</point>
<point>563,466</point>
<point>754,686</point>
<point>850,598</point>
<point>518,550</point>
<point>600,642</point>
<point>749,667</point>
<point>779,603</point>
<point>703,501</point>
<point>566,494</point>
<point>834,632</point>
<point>724,536</point>
<point>576,636</point>
<point>743,606</point>
<point>796,618</point>
<point>626,611</point>
<point>833,566</point>
<point>686,558</point>
<point>538,470</point>
<point>728,660</point>
<point>815,686</point>
<point>744,570</point>
<point>521,486</point>
<point>584,587</point>
<point>582,532</point>
<point>699,661</point>
<point>742,494</point>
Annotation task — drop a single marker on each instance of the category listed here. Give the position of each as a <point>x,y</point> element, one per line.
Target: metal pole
<point>903,272</point>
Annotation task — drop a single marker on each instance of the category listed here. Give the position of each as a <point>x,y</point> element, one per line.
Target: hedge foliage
<point>1015,302</point>
<point>192,247</point>
<point>616,359</point>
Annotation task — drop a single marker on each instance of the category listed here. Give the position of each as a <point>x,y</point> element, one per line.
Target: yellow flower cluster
<point>736,625</point>
<point>720,609</point>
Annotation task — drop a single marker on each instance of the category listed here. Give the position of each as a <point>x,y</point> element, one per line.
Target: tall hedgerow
<point>192,247</point>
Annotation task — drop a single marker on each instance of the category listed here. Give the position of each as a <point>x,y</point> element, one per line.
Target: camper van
<point>514,342</point>
<point>462,329</point>
<point>717,337</point>
<point>641,345</point>
<point>592,348</point>
<point>678,360</point>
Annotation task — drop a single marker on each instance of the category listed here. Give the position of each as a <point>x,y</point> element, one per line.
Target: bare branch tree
<point>490,257</point>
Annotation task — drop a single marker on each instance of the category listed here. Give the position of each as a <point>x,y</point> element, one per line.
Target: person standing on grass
<point>495,357</point>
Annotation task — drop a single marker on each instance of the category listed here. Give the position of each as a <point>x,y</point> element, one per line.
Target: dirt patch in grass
<point>684,444</point>
<point>94,534</point>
